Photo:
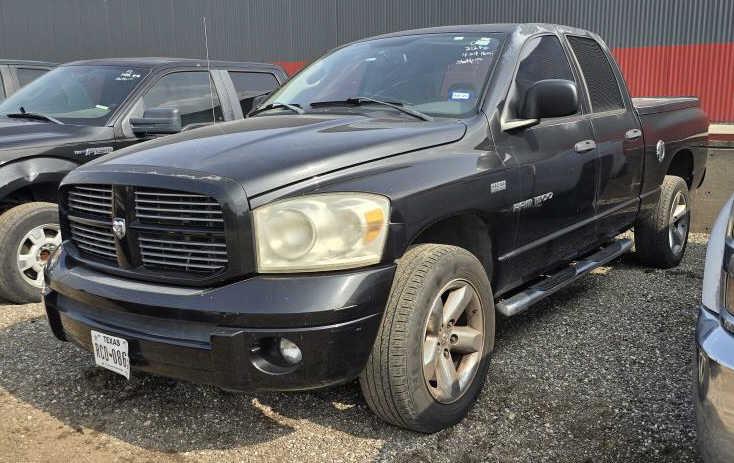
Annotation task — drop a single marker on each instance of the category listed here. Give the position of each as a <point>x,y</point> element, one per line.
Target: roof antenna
<point>209,69</point>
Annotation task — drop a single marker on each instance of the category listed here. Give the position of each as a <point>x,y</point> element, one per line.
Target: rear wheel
<point>431,355</point>
<point>29,233</point>
<point>661,235</point>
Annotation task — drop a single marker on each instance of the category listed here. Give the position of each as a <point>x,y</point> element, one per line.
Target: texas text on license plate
<point>111,352</point>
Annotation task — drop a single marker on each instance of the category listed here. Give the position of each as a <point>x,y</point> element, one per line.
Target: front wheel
<point>29,233</point>
<point>661,235</point>
<point>431,355</point>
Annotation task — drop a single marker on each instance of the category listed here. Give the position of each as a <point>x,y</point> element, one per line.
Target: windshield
<point>436,74</point>
<point>85,95</point>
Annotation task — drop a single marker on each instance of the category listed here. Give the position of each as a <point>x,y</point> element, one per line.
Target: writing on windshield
<point>85,94</point>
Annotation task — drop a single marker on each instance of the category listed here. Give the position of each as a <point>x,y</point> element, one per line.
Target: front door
<point>558,165</point>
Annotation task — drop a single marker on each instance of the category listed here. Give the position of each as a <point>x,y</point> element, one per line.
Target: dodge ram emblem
<point>118,228</point>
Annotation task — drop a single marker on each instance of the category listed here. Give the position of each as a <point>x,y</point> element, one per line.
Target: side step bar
<point>525,298</point>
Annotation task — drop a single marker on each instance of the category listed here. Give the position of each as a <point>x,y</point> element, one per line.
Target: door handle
<point>584,146</point>
<point>632,134</point>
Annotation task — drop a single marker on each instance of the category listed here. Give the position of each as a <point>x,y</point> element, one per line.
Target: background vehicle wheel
<point>431,355</point>
<point>661,235</point>
<point>28,235</point>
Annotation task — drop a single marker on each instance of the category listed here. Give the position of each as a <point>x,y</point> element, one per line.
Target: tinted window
<point>251,84</point>
<point>86,95</point>
<point>193,93</point>
<point>28,75</point>
<point>542,58</point>
<point>439,74</point>
<point>603,89</point>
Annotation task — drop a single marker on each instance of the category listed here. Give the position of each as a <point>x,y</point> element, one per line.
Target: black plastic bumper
<point>212,336</point>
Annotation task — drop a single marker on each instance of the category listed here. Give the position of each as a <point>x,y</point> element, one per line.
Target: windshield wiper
<point>35,116</point>
<point>360,100</point>
<point>293,107</point>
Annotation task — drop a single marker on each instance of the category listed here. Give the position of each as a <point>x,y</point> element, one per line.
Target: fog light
<point>290,351</point>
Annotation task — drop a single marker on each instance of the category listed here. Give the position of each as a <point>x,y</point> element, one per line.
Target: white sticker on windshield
<point>460,95</point>
<point>483,42</point>
<point>99,106</point>
<point>459,38</point>
<point>128,75</point>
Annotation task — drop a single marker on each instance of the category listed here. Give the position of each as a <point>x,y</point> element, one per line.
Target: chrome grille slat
<point>91,209</point>
<point>89,195</point>
<point>144,246</point>
<point>92,237</point>
<point>172,256</point>
<point>97,251</point>
<point>182,211</point>
<point>184,243</point>
<point>92,201</point>
<point>182,219</point>
<point>174,194</point>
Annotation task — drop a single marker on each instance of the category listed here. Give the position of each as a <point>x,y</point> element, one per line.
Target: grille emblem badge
<point>119,228</point>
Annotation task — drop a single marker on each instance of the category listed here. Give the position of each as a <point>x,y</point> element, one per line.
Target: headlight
<point>714,277</point>
<point>321,232</point>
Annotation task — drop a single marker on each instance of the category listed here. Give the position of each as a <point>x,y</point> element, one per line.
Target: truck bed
<point>655,105</point>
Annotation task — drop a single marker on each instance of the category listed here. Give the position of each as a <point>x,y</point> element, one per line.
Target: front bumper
<point>715,388</point>
<point>211,336</point>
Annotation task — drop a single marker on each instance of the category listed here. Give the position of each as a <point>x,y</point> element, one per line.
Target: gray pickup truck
<point>82,110</point>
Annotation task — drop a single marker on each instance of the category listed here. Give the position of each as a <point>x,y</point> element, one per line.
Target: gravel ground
<point>602,371</point>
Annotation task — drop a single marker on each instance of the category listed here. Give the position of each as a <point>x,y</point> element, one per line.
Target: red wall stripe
<point>703,70</point>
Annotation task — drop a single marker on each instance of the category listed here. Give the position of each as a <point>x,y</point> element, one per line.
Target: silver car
<point>715,344</point>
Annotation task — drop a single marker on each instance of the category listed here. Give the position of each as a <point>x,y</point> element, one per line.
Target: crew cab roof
<point>157,63</point>
<point>507,28</point>
<point>25,62</point>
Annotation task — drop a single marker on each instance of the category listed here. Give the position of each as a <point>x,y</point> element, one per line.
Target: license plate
<point>111,352</point>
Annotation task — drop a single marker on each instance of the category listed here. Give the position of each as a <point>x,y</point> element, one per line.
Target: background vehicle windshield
<point>86,95</point>
<point>438,74</point>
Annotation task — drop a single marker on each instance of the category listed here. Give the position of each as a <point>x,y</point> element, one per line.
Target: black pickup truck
<point>373,215</point>
<point>85,109</point>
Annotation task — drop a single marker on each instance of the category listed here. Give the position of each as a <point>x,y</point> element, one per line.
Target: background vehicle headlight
<point>318,232</point>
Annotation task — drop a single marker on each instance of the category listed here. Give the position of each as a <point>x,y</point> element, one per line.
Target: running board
<point>525,298</point>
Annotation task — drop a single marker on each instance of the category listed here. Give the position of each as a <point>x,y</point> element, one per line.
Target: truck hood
<point>21,137</point>
<point>268,152</point>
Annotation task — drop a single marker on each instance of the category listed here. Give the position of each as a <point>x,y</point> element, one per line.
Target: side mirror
<point>257,100</point>
<point>550,98</point>
<point>157,121</point>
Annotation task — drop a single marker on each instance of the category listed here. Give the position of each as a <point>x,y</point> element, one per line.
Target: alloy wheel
<point>454,341</point>
<point>34,250</point>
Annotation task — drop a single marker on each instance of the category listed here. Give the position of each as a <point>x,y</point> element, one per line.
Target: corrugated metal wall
<point>665,46</point>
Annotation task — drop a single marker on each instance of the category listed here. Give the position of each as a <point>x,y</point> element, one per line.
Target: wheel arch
<point>682,165</point>
<point>35,179</point>
<point>468,230</point>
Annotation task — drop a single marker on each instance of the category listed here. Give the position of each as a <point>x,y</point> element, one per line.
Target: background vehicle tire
<point>28,235</point>
<point>661,235</point>
<point>422,341</point>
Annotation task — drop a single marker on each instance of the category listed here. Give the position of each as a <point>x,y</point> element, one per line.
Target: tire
<point>17,245</point>
<point>394,383</point>
<point>661,235</point>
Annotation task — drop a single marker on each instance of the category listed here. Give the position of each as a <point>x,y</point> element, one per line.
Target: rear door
<point>558,168</point>
<point>617,134</point>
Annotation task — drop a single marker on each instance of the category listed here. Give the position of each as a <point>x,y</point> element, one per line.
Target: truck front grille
<point>170,232</point>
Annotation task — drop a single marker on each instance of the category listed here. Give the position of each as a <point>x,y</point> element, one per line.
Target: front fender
<point>17,175</point>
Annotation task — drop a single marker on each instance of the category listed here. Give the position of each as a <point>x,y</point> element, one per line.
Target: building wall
<point>682,47</point>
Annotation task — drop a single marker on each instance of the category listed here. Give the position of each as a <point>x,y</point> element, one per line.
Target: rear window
<point>602,85</point>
